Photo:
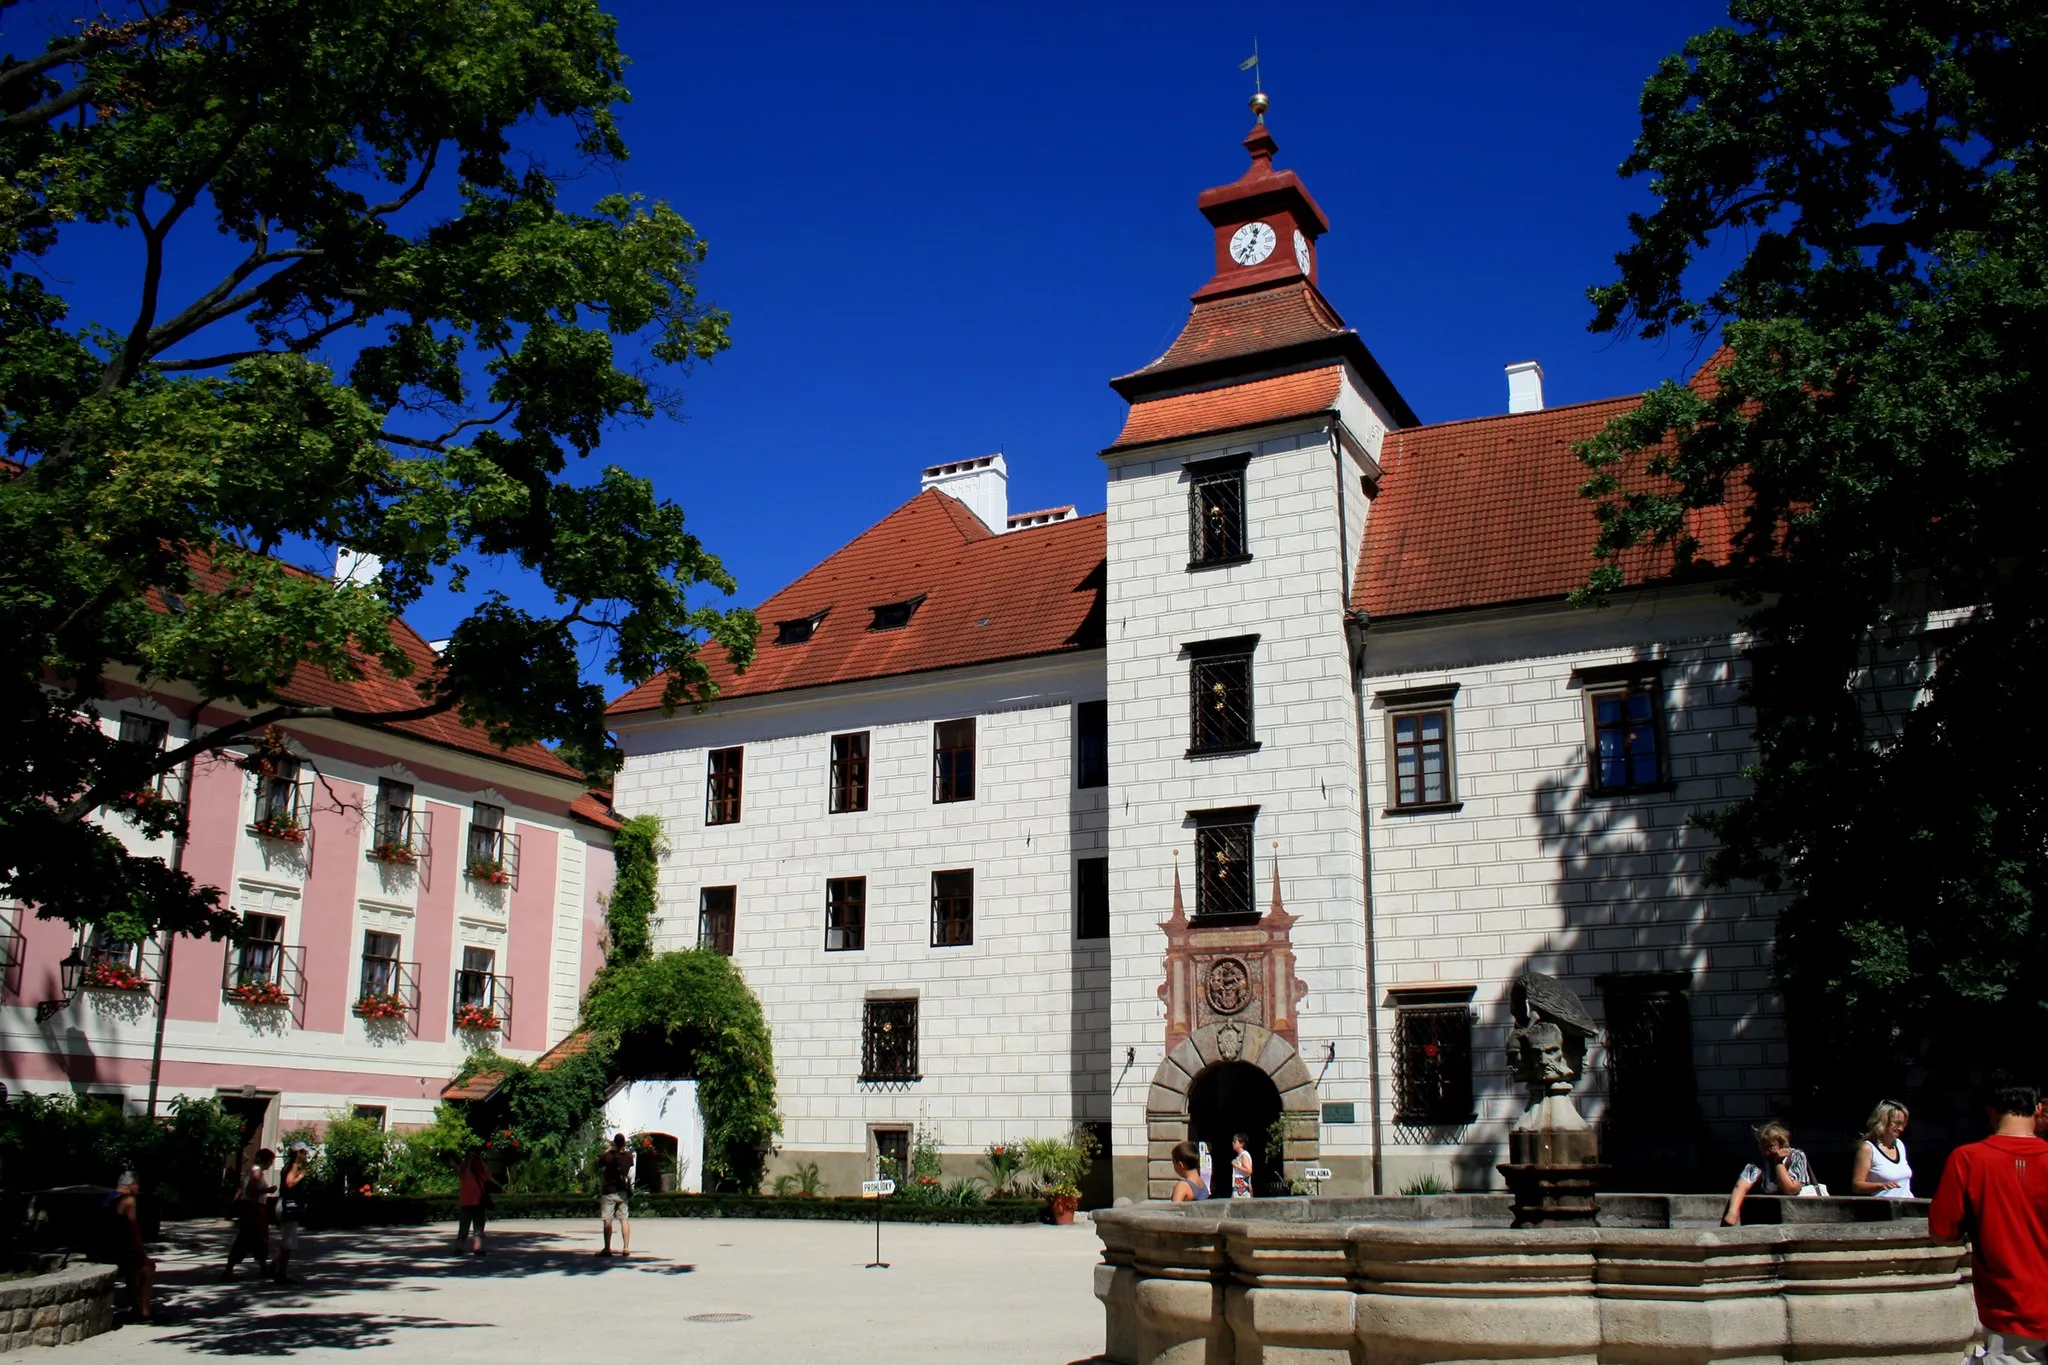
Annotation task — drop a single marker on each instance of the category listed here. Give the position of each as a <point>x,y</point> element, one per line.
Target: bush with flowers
<point>395,852</point>
<point>480,1017</point>
<point>107,974</point>
<point>489,871</point>
<point>258,994</point>
<point>284,828</point>
<point>380,1005</point>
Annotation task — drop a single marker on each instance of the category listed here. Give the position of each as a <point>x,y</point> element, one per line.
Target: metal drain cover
<point>721,1317</point>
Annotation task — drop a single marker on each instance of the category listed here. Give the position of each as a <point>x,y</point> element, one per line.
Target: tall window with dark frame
<point>476,980</point>
<point>1091,744</point>
<point>1627,736</point>
<point>846,914</point>
<point>148,734</point>
<point>1224,887</point>
<point>394,814</point>
<point>1433,1064</point>
<point>953,908</point>
<point>849,772</point>
<point>380,964</point>
<point>722,786</point>
<point>1220,697</point>
<point>1216,522</point>
<point>953,760</point>
<point>888,1041</point>
<point>277,792</point>
<point>1422,757</point>
<point>486,833</point>
<point>1091,898</point>
<point>1649,1063</point>
<point>716,907</point>
<point>259,958</point>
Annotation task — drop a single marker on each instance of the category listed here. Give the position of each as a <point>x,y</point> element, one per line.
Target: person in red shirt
<point>1994,1194</point>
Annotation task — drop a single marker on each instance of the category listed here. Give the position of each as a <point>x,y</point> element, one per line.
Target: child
<point>1189,1185</point>
<point>1784,1170</point>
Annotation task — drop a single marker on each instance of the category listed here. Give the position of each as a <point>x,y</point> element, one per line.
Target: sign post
<point>875,1190</point>
<point>1316,1175</point>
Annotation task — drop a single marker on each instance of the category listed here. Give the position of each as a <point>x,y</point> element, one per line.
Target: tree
<point>363,317</point>
<point>1873,169</point>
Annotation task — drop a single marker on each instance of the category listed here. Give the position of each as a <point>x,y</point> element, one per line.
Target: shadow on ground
<point>250,1316</point>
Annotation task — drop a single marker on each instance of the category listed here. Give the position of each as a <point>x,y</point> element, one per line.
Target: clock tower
<point>1266,222</point>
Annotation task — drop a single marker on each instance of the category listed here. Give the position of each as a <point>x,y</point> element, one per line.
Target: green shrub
<point>1001,1164</point>
<point>181,1158</point>
<point>1059,1164</point>
<point>1426,1184</point>
<point>354,1159</point>
<point>804,1180</point>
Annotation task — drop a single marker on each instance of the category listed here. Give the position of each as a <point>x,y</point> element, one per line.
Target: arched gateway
<point>1231,1066</point>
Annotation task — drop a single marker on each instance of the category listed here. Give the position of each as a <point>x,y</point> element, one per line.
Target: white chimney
<point>1525,386</point>
<point>356,566</point>
<point>982,484</point>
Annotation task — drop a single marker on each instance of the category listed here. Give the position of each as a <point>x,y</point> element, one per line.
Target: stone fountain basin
<point>1403,1281</point>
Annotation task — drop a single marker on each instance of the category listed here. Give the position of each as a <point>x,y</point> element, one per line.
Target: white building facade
<point>1282,770</point>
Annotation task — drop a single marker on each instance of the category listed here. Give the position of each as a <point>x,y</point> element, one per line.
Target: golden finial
<point>1251,64</point>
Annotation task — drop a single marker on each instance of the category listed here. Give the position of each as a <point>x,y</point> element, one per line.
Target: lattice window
<point>888,1045</point>
<point>1627,737</point>
<point>1223,875</point>
<point>849,772</point>
<point>722,786</point>
<point>1216,523</point>
<point>846,914</point>
<point>953,760</point>
<point>716,911</point>
<point>1091,898</point>
<point>1091,744</point>
<point>1433,1064</point>
<point>1220,704</point>
<point>1422,757</point>
<point>953,908</point>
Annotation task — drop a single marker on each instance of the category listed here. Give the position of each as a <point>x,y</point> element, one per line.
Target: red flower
<point>1429,1049</point>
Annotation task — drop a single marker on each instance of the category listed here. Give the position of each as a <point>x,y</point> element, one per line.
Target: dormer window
<point>800,630</point>
<point>895,615</point>
<point>1216,523</point>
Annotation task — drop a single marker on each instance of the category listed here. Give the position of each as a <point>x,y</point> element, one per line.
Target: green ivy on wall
<point>628,917</point>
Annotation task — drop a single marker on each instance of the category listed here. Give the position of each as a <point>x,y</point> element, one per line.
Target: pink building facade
<point>416,894</point>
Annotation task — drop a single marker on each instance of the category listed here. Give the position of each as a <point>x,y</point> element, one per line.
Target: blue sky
<point>941,229</point>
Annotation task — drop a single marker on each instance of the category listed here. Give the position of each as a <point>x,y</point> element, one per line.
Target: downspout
<point>179,836</point>
<point>1355,624</point>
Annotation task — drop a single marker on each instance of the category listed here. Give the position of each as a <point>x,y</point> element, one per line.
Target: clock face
<point>1252,243</point>
<point>1301,256</point>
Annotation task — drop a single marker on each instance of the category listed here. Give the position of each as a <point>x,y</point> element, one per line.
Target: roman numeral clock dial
<point>1252,243</point>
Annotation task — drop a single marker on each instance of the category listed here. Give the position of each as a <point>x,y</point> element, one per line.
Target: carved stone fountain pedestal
<point>1553,1167</point>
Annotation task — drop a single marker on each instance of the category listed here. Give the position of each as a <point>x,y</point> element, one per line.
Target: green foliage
<point>1060,1164</point>
<point>637,849</point>
<point>804,1180</point>
<point>697,1005</point>
<point>1872,169</point>
<point>419,325</point>
<point>70,1140</point>
<point>1423,1184</point>
<point>1001,1163</point>
<point>354,1158</point>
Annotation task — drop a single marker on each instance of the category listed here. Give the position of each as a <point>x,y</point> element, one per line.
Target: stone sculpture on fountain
<point>1553,1161</point>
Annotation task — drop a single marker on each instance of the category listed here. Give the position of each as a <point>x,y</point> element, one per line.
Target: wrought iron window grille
<point>1220,696</point>
<point>1216,512</point>
<point>1433,1065</point>
<point>1224,885</point>
<point>889,1041</point>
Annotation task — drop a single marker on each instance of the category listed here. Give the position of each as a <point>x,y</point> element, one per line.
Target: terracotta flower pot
<point>1062,1207</point>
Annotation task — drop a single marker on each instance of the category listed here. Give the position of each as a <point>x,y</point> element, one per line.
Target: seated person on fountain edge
<point>1783,1170</point>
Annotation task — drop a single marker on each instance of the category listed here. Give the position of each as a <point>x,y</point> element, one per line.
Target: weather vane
<point>1251,64</point>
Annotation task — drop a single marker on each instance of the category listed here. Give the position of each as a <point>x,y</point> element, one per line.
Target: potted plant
<point>1059,1164</point>
<point>105,974</point>
<point>481,1017</point>
<point>488,870</point>
<point>284,827</point>
<point>258,994</point>
<point>395,852</point>
<point>1002,1163</point>
<point>380,1005</point>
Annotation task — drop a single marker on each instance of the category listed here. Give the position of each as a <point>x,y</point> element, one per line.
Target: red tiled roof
<point>1488,511</point>
<point>986,598</point>
<point>1288,325</point>
<point>378,690</point>
<point>1230,408</point>
<point>485,1084</point>
<point>596,808</point>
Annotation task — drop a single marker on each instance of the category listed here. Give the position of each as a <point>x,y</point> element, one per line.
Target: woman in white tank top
<point>1882,1167</point>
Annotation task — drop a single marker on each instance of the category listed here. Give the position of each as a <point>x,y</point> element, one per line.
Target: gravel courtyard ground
<point>796,1291</point>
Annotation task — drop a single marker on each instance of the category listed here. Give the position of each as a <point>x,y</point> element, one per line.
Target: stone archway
<point>1166,1106</point>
